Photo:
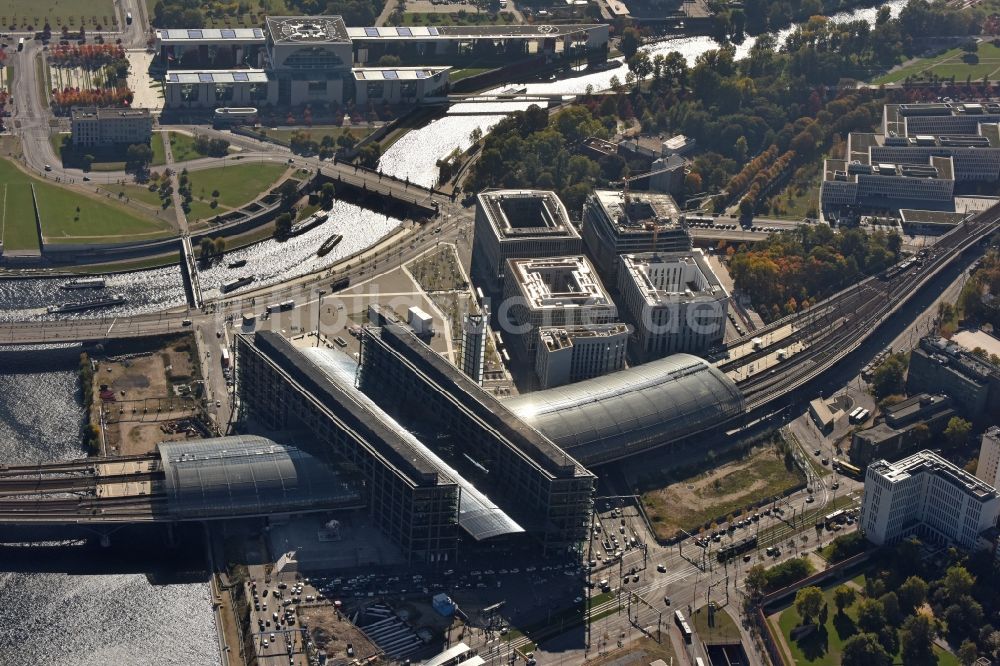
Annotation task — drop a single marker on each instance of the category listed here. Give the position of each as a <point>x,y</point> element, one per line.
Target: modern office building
<point>617,223</point>
<point>674,301</point>
<point>297,60</point>
<point>988,469</point>
<point>409,498</point>
<point>927,496</point>
<point>556,291</point>
<point>531,479</point>
<point>882,186</point>
<point>519,224</point>
<point>937,118</point>
<point>93,126</point>
<point>940,365</point>
<point>670,401</point>
<point>474,331</point>
<point>573,353</point>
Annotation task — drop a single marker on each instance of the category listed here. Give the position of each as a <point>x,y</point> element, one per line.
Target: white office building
<point>574,353</point>
<point>988,469</point>
<point>102,126</point>
<point>927,496</point>
<point>519,223</point>
<point>616,223</point>
<point>551,292</point>
<point>674,301</point>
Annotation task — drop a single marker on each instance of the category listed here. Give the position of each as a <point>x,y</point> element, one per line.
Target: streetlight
<point>319,312</point>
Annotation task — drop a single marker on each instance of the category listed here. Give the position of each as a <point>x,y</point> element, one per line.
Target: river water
<point>415,155</point>
<point>87,618</point>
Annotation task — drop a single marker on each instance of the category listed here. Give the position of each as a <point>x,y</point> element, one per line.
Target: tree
<point>283,224</point>
<point>289,193</point>
<point>917,640</point>
<point>808,602</point>
<point>389,61</point>
<point>871,616</point>
<point>326,195</point>
<point>207,249</point>
<point>890,603</point>
<point>219,246</point>
<point>138,155</point>
<point>957,431</point>
<point>756,580</point>
<point>630,42</point>
<point>864,650</point>
<point>843,597</point>
<point>890,376</point>
<point>958,582</point>
<point>370,154</point>
<point>967,654</point>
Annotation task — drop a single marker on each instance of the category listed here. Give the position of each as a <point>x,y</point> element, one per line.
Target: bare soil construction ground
<point>331,632</point>
<point>147,398</point>
<point>692,503</point>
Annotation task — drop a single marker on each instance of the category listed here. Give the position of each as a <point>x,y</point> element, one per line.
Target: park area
<point>109,157</point>
<point>820,641</point>
<point>33,14</point>
<point>695,499</point>
<point>229,187</point>
<point>67,215</point>
<point>956,62</point>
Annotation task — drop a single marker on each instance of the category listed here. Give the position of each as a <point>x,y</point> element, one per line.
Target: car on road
<point>48,167</point>
<point>666,600</point>
<point>86,179</point>
<point>816,452</point>
<point>661,568</point>
<point>747,557</point>
<point>810,499</point>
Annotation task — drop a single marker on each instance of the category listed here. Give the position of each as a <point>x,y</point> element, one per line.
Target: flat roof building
<point>645,222</point>
<point>555,291</point>
<point>474,331</point>
<point>519,224</point>
<point>532,479</point>
<point>941,365</point>
<point>927,185</point>
<point>93,126</point>
<point>927,496</point>
<point>674,301</point>
<point>573,353</point>
<point>908,425</point>
<point>655,404</point>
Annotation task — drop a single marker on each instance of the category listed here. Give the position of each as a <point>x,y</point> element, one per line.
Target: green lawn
<point>457,18</point>
<point>66,214</point>
<point>822,647</point>
<point>33,13</point>
<point>459,74</point>
<point>317,133</point>
<point>236,185</point>
<point>182,146</point>
<point>138,192</point>
<point>723,629</point>
<point>948,64</point>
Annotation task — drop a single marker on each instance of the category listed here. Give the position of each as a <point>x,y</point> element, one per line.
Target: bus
<point>225,357</point>
<point>686,633</point>
<point>839,517</point>
<point>678,618</point>
<point>847,468</point>
<point>737,547</point>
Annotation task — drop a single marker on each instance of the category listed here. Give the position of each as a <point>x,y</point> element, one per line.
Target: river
<point>416,154</point>
<point>86,618</point>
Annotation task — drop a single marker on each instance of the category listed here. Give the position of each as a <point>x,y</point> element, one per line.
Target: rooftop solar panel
<point>205,77</point>
<point>172,78</point>
<point>371,32</point>
<point>228,33</point>
<point>390,74</point>
<point>404,32</point>
<point>240,76</point>
<point>422,74</point>
<point>195,34</point>
<point>432,31</point>
<point>258,33</point>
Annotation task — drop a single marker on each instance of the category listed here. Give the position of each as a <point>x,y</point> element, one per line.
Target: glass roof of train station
<point>608,417</point>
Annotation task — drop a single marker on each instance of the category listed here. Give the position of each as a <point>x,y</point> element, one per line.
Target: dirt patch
<point>331,632</point>
<point>692,503</point>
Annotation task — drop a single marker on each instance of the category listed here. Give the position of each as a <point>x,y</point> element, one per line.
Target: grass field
<point>182,147</point>
<point>317,133</point>
<point>948,64</point>
<point>689,503</point>
<point>823,647</point>
<point>22,14</point>
<point>66,214</point>
<point>459,74</point>
<point>137,192</point>
<point>723,630</point>
<point>457,18</point>
<point>236,185</point>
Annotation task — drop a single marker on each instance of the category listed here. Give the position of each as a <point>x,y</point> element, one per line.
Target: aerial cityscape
<point>508,332</point>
